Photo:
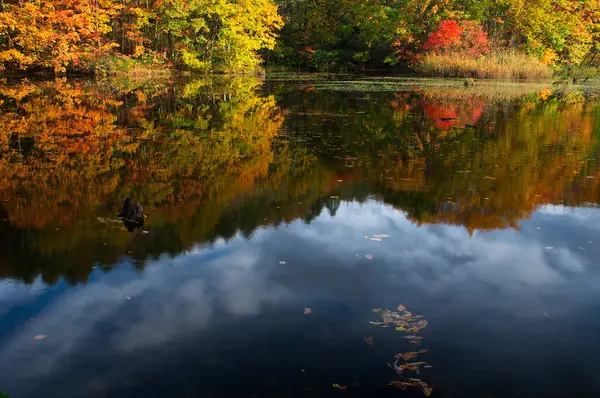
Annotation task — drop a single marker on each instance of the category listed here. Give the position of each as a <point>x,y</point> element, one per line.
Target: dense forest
<point>241,35</point>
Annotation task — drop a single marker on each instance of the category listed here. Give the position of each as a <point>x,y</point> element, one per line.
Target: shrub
<point>445,38</point>
<point>451,37</point>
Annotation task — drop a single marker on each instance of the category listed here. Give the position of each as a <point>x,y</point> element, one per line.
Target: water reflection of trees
<point>184,151</point>
<point>447,157</point>
<point>210,158</point>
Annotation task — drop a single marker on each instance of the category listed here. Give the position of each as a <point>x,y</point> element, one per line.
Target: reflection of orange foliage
<point>73,136</point>
<point>69,161</point>
<point>80,158</point>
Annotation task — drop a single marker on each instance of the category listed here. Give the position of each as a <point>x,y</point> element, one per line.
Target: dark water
<point>260,198</point>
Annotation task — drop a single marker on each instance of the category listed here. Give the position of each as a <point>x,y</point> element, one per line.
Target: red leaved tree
<point>475,40</point>
<point>445,38</point>
<point>451,37</point>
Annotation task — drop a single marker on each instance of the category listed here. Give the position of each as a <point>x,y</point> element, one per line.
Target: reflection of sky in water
<point>490,297</point>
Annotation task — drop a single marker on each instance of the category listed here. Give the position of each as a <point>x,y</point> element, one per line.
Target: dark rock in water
<point>132,214</point>
<point>22,144</point>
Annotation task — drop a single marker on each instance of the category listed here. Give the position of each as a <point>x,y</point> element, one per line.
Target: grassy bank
<point>502,65</point>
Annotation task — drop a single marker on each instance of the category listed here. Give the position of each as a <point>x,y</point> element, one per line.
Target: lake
<point>279,213</point>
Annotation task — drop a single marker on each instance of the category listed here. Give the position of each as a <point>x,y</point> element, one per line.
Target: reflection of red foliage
<point>437,112</point>
<point>461,112</point>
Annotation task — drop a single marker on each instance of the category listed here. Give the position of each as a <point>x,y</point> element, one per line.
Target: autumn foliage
<point>445,38</point>
<point>63,35</point>
<point>468,39</point>
<point>238,35</point>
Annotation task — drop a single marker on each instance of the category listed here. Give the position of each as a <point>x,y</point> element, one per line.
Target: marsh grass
<point>498,64</point>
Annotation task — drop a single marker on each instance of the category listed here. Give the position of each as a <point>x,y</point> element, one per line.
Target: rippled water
<point>264,199</point>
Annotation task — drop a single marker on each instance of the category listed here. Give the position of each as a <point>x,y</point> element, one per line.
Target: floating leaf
<point>40,337</point>
<point>282,262</point>
<point>369,340</point>
<point>398,369</point>
<point>406,356</point>
<point>412,366</point>
<point>426,389</point>
<point>400,328</point>
<point>381,236</point>
<point>428,366</point>
<point>403,385</point>
<point>411,337</point>
<point>307,311</point>
<point>416,364</point>
<point>339,387</point>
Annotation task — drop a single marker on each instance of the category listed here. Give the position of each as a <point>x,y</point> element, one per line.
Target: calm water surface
<point>264,199</point>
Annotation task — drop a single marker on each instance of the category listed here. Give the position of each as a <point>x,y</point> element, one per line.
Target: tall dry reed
<point>498,64</point>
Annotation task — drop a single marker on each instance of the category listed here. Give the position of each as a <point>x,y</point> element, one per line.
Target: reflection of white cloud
<point>12,293</point>
<point>234,282</point>
<point>182,295</point>
<point>8,290</point>
<point>588,217</point>
<point>556,209</point>
<point>441,255</point>
<point>176,297</point>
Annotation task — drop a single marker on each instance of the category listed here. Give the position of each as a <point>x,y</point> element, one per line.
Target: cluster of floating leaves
<point>404,321</point>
